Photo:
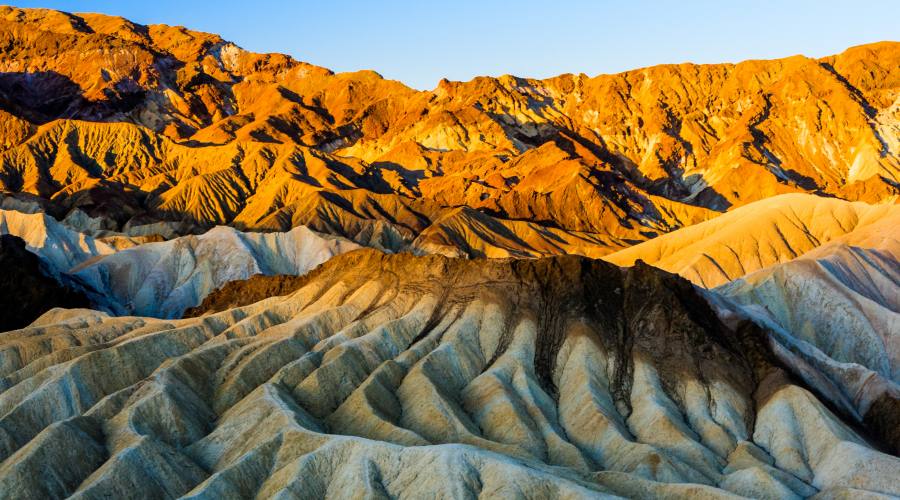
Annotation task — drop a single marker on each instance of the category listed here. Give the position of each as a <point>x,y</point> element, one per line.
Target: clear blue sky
<point>419,42</point>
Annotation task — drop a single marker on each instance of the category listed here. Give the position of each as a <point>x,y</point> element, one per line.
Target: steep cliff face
<point>161,121</point>
<point>401,375</point>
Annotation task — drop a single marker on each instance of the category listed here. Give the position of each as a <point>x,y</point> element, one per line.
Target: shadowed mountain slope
<point>162,279</point>
<point>27,289</point>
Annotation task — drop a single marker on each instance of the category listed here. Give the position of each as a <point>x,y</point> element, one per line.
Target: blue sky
<point>419,42</point>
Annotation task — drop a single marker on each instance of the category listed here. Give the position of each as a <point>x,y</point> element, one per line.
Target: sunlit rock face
<point>150,123</point>
<point>762,234</point>
<point>396,375</point>
<point>187,312</point>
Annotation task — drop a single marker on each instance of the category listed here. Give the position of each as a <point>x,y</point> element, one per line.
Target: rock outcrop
<point>239,293</point>
<point>393,375</point>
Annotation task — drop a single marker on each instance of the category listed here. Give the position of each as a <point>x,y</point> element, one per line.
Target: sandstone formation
<point>151,123</point>
<point>400,375</point>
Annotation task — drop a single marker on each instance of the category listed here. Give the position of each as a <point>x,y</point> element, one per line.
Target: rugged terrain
<point>188,312</point>
<point>762,234</point>
<point>125,275</point>
<point>396,375</point>
<point>150,122</point>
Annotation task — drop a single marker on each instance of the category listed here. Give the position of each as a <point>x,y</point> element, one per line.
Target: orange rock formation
<point>166,122</point>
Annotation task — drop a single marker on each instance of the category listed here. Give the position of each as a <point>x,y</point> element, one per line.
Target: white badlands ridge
<point>836,308</point>
<point>369,383</point>
<point>163,279</point>
<point>822,274</point>
<point>358,385</point>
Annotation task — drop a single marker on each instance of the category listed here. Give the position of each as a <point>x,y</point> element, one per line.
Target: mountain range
<point>226,274</point>
<point>167,123</point>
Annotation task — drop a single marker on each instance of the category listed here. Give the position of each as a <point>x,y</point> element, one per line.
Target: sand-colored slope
<point>761,234</point>
<point>844,295</point>
<point>408,376</point>
<point>465,232</point>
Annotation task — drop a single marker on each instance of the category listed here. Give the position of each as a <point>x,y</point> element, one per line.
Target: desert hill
<point>127,274</point>
<point>398,375</point>
<point>761,234</point>
<point>160,122</point>
<point>162,278</point>
<point>838,308</point>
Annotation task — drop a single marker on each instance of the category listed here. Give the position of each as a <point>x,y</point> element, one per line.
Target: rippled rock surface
<point>394,375</point>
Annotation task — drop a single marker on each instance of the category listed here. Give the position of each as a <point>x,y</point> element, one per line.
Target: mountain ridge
<point>264,142</point>
<point>773,231</point>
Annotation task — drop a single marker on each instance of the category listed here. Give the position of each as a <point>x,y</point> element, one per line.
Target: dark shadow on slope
<point>858,96</point>
<point>47,95</point>
<point>26,289</point>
